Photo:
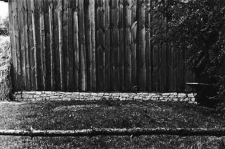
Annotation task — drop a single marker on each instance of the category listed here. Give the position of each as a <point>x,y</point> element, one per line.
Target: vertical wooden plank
<point>46,5</point>
<point>70,67</point>
<point>30,45</point>
<point>103,26</point>
<point>189,75</point>
<point>174,53</point>
<point>18,50</point>
<point>38,44</point>
<point>108,46</point>
<point>128,39</point>
<point>121,45</point>
<point>180,72</point>
<point>163,81</point>
<point>25,24</point>
<point>35,36</point>
<point>88,44</point>
<point>141,46</point>
<point>56,46</point>
<point>134,26</point>
<point>76,46</point>
<point>65,47</point>
<point>52,47</point>
<point>148,46</point>
<point>155,57</point>
<point>12,41</point>
<point>92,19</point>
<point>42,43</point>
<point>115,44</point>
<point>22,43</point>
<point>99,45</point>
<point>170,63</point>
<point>60,29</point>
<point>83,68</point>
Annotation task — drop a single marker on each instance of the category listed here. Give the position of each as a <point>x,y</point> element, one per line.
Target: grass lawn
<point>108,114</point>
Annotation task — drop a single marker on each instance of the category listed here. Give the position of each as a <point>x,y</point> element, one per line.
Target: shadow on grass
<point>122,114</point>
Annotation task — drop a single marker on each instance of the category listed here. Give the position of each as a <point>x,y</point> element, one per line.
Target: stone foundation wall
<point>67,96</point>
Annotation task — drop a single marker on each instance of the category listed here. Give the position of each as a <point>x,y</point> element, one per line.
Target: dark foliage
<point>4,28</point>
<point>198,27</point>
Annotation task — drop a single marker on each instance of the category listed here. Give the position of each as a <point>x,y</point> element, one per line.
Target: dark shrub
<point>197,26</point>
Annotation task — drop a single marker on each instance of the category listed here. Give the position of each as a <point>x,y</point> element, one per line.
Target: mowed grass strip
<point>67,115</point>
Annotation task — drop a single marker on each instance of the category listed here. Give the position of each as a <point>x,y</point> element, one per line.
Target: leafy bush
<point>197,27</point>
<point>4,26</point>
<point>5,65</point>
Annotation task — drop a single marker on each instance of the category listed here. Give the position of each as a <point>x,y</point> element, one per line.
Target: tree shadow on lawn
<point>100,114</point>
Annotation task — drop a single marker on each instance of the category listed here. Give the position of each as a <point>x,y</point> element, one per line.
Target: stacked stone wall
<point>68,96</point>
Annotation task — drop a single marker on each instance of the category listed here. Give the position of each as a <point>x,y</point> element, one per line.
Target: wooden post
<point>60,23</point>
<point>66,57</point>
<point>70,32</point>
<point>100,41</point>
<point>52,53</point>
<point>42,43</point>
<point>88,44</point>
<point>148,46</point>
<point>121,45</point>
<point>93,47</point>
<point>35,45</point>
<point>83,68</point>
<point>141,46</point>
<point>108,46</point>
<point>115,44</point>
<point>76,46</point>
<point>130,74</point>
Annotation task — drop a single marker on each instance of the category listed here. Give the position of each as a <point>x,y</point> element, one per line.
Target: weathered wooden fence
<point>91,45</point>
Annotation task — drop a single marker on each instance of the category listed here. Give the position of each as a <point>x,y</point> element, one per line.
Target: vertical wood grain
<point>76,46</point>
<point>141,46</point>
<point>83,68</point>
<point>42,43</point>
<point>70,32</point>
<point>115,44</point>
<point>108,46</point>
<point>127,40</point>
<point>99,45</point>
<point>26,47</point>
<point>121,45</point>
<point>148,15</point>
<point>52,51</point>
<point>92,45</point>
<point>60,29</point>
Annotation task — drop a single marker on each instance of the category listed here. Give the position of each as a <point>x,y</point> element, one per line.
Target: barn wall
<point>91,45</point>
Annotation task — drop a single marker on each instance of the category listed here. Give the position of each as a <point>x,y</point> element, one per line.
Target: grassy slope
<point>64,115</point>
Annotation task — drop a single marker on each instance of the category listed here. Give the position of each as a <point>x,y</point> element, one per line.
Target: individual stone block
<point>54,97</point>
<point>43,95</point>
<point>26,96</point>
<point>66,99</point>
<point>154,99</point>
<point>191,95</point>
<point>175,99</point>
<point>182,95</point>
<point>186,99</point>
<point>137,98</point>
<point>165,94</point>
<point>38,99</point>
<point>94,94</point>
<point>48,92</point>
<point>38,93</point>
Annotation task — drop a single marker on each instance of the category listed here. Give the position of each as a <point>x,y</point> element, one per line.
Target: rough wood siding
<point>92,45</point>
